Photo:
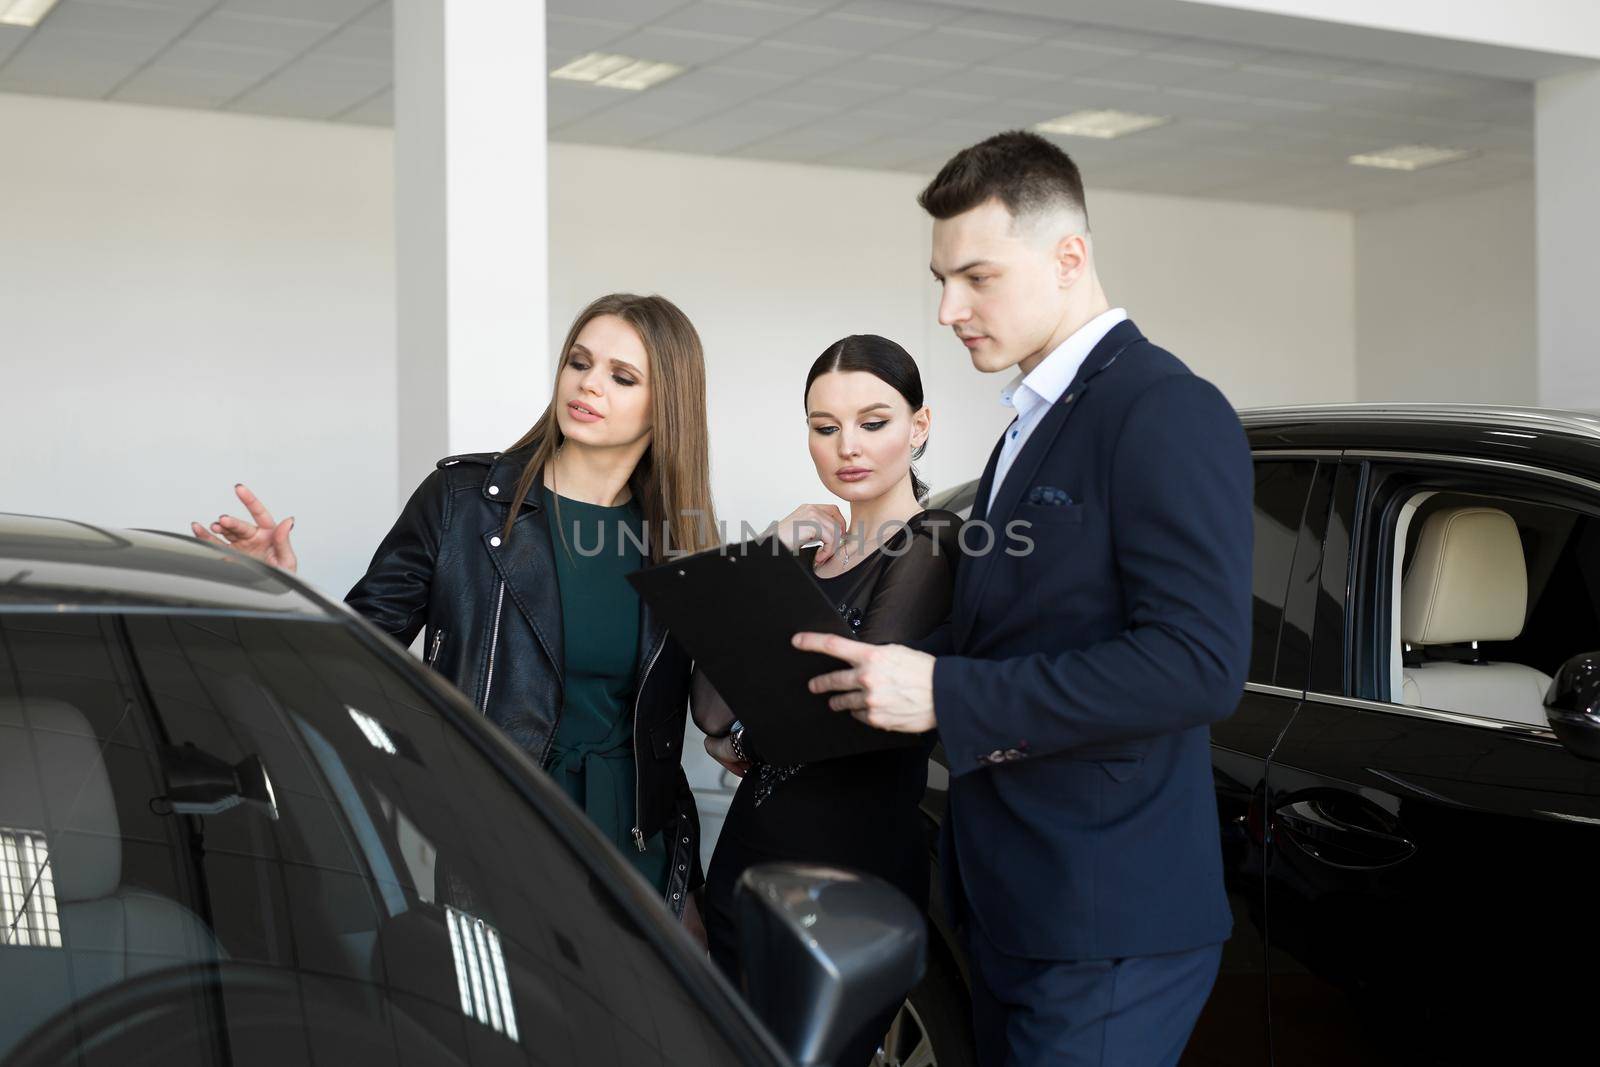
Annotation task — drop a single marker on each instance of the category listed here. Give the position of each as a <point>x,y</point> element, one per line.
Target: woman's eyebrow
<point>582,350</point>
<point>829,414</point>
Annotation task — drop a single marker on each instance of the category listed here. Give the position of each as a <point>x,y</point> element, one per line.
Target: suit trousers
<point>1133,1012</point>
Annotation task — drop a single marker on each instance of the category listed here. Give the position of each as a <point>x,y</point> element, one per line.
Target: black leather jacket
<point>493,615</point>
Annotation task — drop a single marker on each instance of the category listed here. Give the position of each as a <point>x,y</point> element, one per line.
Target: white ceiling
<point>884,84</point>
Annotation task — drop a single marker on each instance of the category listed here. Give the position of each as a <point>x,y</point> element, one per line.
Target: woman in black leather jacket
<point>513,561</point>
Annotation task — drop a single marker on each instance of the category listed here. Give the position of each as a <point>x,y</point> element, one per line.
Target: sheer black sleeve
<point>711,712</point>
<point>912,598</point>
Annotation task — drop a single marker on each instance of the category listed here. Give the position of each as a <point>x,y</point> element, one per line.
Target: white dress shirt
<point>1035,393</point>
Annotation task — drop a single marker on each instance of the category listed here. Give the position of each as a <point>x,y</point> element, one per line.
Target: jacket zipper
<point>494,642</point>
<point>433,653</point>
<point>638,804</point>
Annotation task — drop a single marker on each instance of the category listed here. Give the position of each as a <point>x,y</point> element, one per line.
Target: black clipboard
<point>735,610</point>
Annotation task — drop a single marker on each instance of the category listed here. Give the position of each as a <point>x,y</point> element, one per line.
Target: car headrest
<point>53,783</point>
<point>1468,580</point>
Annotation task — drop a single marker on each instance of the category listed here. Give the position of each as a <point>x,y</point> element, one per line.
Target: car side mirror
<point>1573,705</point>
<point>823,952</point>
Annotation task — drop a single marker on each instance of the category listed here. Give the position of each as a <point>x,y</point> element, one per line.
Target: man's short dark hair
<point>1022,170</point>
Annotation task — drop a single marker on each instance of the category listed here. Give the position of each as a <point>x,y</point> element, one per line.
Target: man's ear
<point>1071,258</point>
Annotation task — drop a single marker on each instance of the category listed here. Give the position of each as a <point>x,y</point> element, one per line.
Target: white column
<point>1567,161</point>
<point>471,230</point>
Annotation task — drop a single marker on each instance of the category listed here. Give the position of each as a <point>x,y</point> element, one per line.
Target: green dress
<point>591,757</point>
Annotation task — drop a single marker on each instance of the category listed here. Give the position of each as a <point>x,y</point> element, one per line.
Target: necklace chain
<point>844,547</point>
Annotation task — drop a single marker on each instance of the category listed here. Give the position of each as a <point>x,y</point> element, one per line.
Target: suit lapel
<point>980,508</point>
<point>1026,466</point>
<point>980,503</point>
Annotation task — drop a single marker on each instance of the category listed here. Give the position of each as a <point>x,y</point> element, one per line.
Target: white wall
<point>1567,147</point>
<point>773,262</point>
<point>189,299</point>
<point>1258,299</point>
<point>1446,301</point>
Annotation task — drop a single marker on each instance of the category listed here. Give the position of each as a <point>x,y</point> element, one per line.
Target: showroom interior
<point>247,240</point>
<point>316,245</point>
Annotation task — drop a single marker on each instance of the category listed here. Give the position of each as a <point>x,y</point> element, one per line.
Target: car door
<point>1291,504</point>
<point>1423,859</point>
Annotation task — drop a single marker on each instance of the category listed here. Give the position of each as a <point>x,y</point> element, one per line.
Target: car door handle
<point>1321,833</point>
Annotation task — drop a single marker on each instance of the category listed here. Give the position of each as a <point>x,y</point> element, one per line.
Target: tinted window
<point>253,841</point>
<point>1280,504</point>
<point>1299,613</point>
<point>1328,649</point>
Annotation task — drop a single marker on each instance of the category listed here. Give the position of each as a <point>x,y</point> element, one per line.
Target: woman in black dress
<point>889,570</point>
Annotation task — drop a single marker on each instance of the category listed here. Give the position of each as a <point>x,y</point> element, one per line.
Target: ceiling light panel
<point>613,71</point>
<point>1102,125</point>
<point>24,12</point>
<point>1409,157</point>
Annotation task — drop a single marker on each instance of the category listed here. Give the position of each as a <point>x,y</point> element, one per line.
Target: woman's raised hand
<point>812,522</point>
<point>265,539</point>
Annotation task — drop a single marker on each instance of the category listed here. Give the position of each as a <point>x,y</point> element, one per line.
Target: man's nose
<point>952,309</point>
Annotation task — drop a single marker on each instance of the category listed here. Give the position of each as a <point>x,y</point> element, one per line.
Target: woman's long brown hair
<point>672,480</point>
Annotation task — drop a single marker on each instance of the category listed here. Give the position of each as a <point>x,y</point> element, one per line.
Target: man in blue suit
<point>1074,684</point>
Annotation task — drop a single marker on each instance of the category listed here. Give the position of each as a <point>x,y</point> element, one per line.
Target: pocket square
<point>1048,495</point>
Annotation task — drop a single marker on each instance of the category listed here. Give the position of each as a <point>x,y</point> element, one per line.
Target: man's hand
<point>721,750</point>
<point>266,539</point>
<point>888,687</point>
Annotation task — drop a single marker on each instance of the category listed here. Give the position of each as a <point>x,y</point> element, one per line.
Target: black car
<point>1408,793</point>
<point>239,826</point>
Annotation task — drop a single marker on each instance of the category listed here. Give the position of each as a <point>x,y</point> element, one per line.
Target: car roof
<point>62,565</point>
<point>1539,438</point>
<point>1576,423</point>
<point>1566,440</point>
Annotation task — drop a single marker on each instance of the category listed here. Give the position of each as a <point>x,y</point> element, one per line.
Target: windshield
<point>230,841</point>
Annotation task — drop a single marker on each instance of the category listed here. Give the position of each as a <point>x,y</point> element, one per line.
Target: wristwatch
<point>736,739</point>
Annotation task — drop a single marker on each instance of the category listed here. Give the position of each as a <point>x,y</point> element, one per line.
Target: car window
<point>262,843</point>
<point>1494,592</point>
<point>1281,490</point>
<point>1329,649</point>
